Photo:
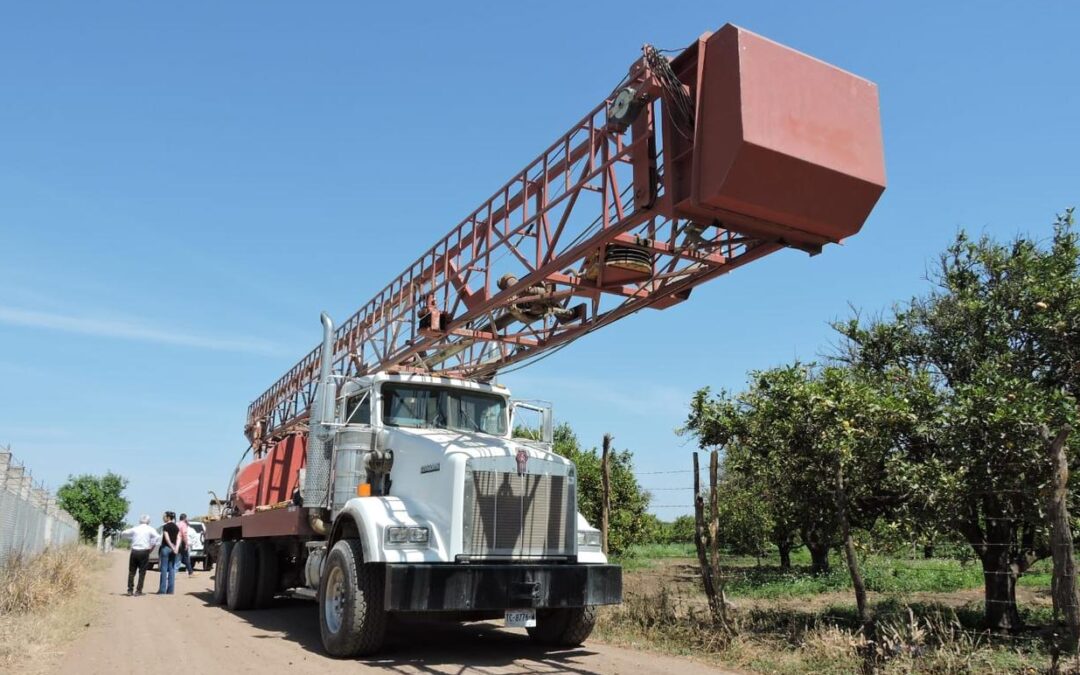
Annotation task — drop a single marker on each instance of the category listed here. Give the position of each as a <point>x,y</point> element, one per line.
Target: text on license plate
<point>521,618</point>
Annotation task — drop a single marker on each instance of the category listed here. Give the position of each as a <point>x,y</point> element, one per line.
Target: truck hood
<point>437,443</point>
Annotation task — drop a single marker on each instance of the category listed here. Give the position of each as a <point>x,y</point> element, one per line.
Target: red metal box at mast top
<point>785,139</point>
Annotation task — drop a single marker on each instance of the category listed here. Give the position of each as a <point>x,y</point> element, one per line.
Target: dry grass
<point>933,640</point>
<point>44,602</point>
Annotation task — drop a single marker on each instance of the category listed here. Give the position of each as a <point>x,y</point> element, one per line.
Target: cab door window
<point>358,409</point>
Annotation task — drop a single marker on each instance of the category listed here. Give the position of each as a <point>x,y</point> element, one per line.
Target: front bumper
<point>461,587</point>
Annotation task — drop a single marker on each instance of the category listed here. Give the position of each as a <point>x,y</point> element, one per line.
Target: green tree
<point>629,523</point>
<point>746,525</point>
<point>790,434</point>
<point>997,342</point>
<point>95,500</point>
<point>680,531</point>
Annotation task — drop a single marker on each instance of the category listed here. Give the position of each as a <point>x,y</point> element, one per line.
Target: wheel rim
<point>334,600</point>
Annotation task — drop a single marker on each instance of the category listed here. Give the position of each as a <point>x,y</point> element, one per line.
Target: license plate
<point>521,618</point>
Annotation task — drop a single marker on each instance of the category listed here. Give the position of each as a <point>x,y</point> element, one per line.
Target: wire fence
<point>30,518</point>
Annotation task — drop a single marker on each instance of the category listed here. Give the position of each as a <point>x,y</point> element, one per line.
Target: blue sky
<point>184,186</point>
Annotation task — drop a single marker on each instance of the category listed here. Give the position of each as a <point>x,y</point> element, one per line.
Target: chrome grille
<point>511,515</point>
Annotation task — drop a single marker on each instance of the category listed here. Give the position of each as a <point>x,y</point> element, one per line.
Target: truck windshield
<point>420,406</point>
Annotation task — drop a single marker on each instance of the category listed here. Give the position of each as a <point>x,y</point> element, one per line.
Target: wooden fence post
<point>1063,584</point>
<point>706,540</point>
<point>605,482</point>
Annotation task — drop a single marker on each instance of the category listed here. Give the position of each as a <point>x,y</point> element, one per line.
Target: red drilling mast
<point>735,148</point>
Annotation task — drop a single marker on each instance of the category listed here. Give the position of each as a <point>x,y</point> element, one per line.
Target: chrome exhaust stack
<point>320,443</point>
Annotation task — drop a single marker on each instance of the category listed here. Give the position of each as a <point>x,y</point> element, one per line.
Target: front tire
<point>352,619</point>
<point>563,627</point>
<point>221,577</point>
<point>243,567</point>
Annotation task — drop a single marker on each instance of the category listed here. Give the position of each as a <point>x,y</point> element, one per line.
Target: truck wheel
<point>564,627</point>
<point>266,581</point>
<point>352,620</point>
<point>221,577</point>
<point>243,566</point>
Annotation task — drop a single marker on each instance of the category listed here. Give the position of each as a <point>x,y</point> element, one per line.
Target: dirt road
<point>185,633</point>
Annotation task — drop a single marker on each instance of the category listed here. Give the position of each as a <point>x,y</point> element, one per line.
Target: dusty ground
<point>186,633</point>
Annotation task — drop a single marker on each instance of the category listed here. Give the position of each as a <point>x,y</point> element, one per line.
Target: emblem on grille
<point>522,461</point>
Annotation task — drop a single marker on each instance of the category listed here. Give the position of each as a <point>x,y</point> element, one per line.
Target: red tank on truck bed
<point>271,478</point>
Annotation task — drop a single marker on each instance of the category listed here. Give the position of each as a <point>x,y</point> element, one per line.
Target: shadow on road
<point>418,645</point>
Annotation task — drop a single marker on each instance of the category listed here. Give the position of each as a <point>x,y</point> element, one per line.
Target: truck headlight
<point>588,539</point>
<point>403,536</point>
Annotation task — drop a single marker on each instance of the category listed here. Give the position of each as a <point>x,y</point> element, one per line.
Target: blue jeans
<point>167,563</point>
<point>185,557</point>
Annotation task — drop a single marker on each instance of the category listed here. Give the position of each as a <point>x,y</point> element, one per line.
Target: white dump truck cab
<point>438,508</point>
<point>448,481</point>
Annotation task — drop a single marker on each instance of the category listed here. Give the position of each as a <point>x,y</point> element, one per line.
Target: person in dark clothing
<point>168,554</point>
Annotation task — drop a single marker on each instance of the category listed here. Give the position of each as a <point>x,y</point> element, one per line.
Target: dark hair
<point>171,515</point>
<point>183,516</point>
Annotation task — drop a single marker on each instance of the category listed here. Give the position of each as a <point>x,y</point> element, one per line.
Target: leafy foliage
<point>786,439</point>
<point>990,356</point>
<point>94,500</point>
<point>629,523</point>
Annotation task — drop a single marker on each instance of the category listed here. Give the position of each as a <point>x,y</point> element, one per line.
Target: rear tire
<point>266,581</point>
<point>564,627</point>
<point>352,619</point>
<point>243,567</point>
<point>221,577</point>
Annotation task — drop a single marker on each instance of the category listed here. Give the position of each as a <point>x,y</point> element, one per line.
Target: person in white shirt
<point>143,540</point>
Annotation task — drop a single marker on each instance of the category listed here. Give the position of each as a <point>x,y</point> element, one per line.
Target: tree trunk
<point>785,555</point>
<point>1063,584</point>
<point>849,547</point>
<point>819,550</point>
<point>999,580</point>
<point>928,551</point>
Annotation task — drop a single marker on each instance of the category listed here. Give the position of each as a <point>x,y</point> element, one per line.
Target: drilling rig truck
<point>385,473</point>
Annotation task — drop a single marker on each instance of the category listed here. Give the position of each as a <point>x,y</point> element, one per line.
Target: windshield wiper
<point>463,416</point>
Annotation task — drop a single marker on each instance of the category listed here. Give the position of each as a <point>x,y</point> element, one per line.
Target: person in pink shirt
<point>185,549</point>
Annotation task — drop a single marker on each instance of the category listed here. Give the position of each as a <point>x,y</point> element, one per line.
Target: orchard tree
<point>997,340</point>
<point>680,530</point>
<point>797,435</point>
<point>746,525</point>
<point>95,500</point>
